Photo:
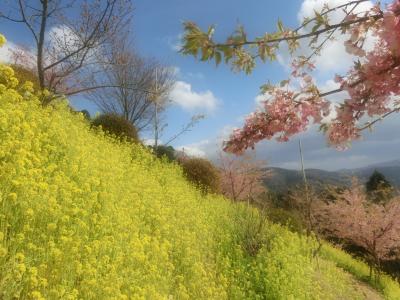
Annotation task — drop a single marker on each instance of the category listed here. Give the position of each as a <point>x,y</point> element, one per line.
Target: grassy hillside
<point>84,216</point>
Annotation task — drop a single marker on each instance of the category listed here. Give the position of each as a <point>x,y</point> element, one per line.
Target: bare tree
<point>66,43</point>
<point>185,128</point>
<point>135,87</point>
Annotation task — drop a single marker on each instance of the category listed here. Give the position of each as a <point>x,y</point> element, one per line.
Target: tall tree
<point>68,36</point>
<point>378,188</point>
<point>372,83</point>
<point>134,87</point>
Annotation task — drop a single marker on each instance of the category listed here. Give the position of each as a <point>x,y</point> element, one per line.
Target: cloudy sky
<point>225,97</point>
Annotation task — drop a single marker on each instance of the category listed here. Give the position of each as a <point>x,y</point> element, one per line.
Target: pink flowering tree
<point>242,178</point>
<point>372,84</point>
<point>373,227</point>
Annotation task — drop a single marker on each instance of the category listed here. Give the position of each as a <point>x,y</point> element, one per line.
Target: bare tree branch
<point>64,58</point>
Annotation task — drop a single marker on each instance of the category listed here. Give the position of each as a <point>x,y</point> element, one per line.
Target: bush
<point>201,173</point>
<point>117,125</point>
<point>167,151</point>
<point>287,218</point>
<point>85,113</point>
<point>252,232</point>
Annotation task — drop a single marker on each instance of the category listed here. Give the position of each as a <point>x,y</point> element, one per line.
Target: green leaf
<point>284,82</point>
<point>204,53</point>
<point>265,88</point>
<point>217,58</point>
<point>262,51</point>
<point>280,26</point>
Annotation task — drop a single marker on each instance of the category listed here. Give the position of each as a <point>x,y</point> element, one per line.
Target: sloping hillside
<point>83,216</point>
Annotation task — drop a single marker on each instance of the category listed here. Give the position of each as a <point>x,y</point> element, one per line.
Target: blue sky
<point>226,97</point>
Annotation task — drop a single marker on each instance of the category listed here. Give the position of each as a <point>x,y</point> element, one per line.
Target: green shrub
<point>286,218</point>
<point>85,113</point>
<point>201,173</point>
<point>251,230</point>
<point>117,125</point>
<point>167,151</point>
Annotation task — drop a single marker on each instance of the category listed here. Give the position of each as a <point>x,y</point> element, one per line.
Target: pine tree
<point>378,187</point>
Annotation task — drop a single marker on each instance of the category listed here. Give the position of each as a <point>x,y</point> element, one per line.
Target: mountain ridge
<point>281,179</point>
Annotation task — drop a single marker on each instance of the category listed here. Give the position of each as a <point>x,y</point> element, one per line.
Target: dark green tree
<point>117,125</point>
<point>85,113</point>
<point>167,151</point>
<point>378,187</point>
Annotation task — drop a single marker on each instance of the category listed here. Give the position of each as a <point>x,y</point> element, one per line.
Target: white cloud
<point>175,43</point>
<point>6,52</point>
<point>150,142</point>
<point>260,98</point>
<point>12,53</point>
<point>208,148</point>
<point>61,36</point>
<point>183,95</point>
<point>309,6</point>
<point>195,149</point>
<point>331,85</point>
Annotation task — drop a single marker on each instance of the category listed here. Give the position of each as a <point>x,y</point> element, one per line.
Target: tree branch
<point>88,89</point>
<point>186,128</point>
<point>298,37</point>
<point>369,124</point>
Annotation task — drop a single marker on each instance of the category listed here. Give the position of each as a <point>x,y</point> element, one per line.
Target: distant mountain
<point>280,180</point>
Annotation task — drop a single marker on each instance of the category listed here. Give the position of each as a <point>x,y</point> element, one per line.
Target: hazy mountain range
<point>280,179</point>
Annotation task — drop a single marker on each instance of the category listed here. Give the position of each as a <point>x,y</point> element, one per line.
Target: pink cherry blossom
<point>371,85</point>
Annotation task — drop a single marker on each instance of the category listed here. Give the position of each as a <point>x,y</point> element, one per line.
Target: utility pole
<point>302,166</point>
<point>307,194</point>
<point>308,208</point>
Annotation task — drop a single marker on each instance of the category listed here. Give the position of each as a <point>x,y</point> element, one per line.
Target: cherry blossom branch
<point>298,37</point>
<point>369,124</point>
<point>329,36</point>
<point>329,11</point>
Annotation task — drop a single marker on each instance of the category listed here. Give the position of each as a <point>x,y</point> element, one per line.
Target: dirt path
<point>366,290</point>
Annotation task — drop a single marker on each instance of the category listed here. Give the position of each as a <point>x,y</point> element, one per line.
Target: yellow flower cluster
<point>2,40</point>
<point>84,216</point>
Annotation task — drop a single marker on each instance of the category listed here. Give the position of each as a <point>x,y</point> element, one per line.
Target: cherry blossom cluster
<point>371,84</point>
<point>286,115</point>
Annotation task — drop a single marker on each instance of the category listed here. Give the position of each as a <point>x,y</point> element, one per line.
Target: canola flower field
<point>85,216</point>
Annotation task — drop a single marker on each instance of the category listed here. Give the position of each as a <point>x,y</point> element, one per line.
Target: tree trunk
<point>40,45</point>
